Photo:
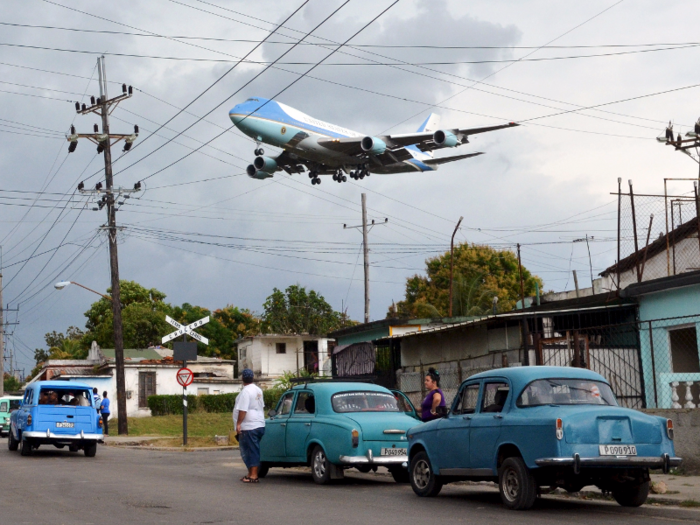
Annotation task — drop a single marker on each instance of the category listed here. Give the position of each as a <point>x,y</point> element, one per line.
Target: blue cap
<point>247,374</point>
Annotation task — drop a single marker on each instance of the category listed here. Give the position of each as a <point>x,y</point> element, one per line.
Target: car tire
<point>516,484</point>
<point>90,449</point>
<point>423,480</point>
<point>400,475</point>
<point>25,447</point>
<point>263,469</point>
<point>631,494</point>
<point>320,466</point>
<point>12,443</point>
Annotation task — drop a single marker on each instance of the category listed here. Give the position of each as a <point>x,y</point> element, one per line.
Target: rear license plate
<point>393,452</point>
<point>617,450</point>
<point>64,424</point>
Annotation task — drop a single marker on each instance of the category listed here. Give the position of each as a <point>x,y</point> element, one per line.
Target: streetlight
<point>62,284</point>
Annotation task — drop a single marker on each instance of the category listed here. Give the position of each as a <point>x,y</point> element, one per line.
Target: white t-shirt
<point>250,401</point>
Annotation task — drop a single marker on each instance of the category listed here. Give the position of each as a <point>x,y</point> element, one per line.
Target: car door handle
<point>283,424</point>
<point>466,417</point>
<point>307,424</point>
<point>497,416</point>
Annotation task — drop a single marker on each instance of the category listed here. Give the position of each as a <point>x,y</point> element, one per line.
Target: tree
<point>480,274</point>
<point>60,346</point>
<point>11,383</point>
<point>295,311</point>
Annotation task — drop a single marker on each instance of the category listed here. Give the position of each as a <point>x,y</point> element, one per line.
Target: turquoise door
<point>299,426</point>
<point>453,431</point>
<point>486,425</point>
<point>272,446</point>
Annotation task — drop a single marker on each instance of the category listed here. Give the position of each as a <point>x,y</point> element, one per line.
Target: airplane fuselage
<point>298,134</point>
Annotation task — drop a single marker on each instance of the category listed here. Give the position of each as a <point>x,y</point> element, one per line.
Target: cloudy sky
<point>205,233</point>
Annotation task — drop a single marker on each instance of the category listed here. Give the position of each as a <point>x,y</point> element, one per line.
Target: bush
<point>218,402</point>
<point>214,403</point>
<point>165,405</point>
<point>271,397</point>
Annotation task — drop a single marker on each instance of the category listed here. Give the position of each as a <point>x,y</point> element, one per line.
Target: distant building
<point>271,355</point>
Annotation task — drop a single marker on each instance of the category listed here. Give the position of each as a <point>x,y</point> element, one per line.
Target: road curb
<point>173,449</point>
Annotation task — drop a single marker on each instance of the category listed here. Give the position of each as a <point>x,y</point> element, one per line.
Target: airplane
<point>321,148</point>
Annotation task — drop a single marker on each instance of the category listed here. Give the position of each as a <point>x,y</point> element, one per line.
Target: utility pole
<point>365,230</point>
<point>452,250</point>
<point>103,106</point>
<point>2,343</point>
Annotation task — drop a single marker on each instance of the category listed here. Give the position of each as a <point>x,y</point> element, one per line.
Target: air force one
<point>321,148</point>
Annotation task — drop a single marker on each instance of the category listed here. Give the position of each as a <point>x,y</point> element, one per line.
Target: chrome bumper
<point>63,437</point>
<point>664,462</point>
<point>371,459</point>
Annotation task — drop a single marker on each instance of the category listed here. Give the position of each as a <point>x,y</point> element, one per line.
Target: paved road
<point>125,486</point>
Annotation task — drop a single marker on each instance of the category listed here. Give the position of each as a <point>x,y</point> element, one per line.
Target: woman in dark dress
<point>435,397</point>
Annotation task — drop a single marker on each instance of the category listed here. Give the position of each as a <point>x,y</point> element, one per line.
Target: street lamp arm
<point>89,290</point>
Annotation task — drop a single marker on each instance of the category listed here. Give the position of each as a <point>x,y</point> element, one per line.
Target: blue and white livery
<point>322,148</point>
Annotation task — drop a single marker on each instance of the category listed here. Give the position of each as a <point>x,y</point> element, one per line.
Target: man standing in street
<point>104,410</point>
<point>249,419</point>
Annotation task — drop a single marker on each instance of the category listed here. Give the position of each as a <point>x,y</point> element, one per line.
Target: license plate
<point>617,450</point>
<point>393,452</point>
<point>64,424</point>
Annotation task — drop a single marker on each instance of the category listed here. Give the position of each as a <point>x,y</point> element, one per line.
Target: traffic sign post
<point>185,376</point>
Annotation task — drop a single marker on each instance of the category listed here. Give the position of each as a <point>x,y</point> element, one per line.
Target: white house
<point>271,355</point>
<point>146,373</point>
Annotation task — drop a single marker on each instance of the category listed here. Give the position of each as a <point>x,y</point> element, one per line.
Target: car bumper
<point>663,462</point>
<point>64,437</point>
<point>371,459</point>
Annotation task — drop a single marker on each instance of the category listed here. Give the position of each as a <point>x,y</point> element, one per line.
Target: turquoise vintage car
<point>58,413</point>
<point>532,427</point>
<point>332,426</point>
<point>8,404</point>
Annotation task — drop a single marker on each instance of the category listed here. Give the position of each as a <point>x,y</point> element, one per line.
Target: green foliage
<point>11,384</point>
<point>60,346</point>
<point>216,403</point>
<point>165,405</point>
<point>480,274</point>
<point>271,397</point>
<point>295,311</point>
<point>284,382</point>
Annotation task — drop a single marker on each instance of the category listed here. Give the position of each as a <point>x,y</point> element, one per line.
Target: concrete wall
<point>686,425</point>
<point>260,355</point>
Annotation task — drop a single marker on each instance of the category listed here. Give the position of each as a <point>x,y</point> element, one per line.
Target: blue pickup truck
<point>57,413</point>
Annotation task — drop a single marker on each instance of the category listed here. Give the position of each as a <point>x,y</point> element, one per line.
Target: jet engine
<point>257,174</point>
<point>373,145</point>
<point>265,164</point>
<point>445,139</point>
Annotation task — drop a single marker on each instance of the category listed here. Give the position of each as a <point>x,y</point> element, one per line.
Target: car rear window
<point>566,392</point>
<point>65,397</point>
<point>364,401</point>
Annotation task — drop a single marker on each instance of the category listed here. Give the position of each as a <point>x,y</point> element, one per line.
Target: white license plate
<point>64,424</point>
<point>393,452</point>
<point>617,450</point>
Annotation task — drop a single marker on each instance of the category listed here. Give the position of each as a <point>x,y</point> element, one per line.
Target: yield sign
<point>185,377</point>
<point>186,330</point>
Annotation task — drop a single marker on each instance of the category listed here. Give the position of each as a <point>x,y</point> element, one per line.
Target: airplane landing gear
<point>259,152</point>
<point>313,175</point>
<point>316,180</point>
<point>338,176</point>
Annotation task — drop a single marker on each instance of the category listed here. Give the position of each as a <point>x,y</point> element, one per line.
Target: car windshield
<point>364,401</point>
<point>566,392</point>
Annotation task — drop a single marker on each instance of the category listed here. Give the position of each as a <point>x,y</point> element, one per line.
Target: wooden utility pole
<point>452,264</point>
<point>2,343</point>
<point>522,285</point>
<point>634,227</point>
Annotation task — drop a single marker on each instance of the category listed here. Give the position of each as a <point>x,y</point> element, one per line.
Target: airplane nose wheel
<point>259,152</point>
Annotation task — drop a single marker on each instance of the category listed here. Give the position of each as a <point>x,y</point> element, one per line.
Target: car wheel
<point>263,469</point>
<point>631,494</point>
<point>25,447</point>
<point>423,481</point>
<point>320,466</point>
<point>90,449</point>
<point>516,484</point>
<point>12,443</point>
<point>400,475</point>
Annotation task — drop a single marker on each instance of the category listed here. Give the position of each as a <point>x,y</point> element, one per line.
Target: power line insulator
<point>72,129</point>
<point>77,106</point>
<point>81,185</point>
<point>136,129</point>
<point>131,90</point>
<point>123,88</point>
<point>72,146</point>
<point>127,146</point>
<point>92,100</point>
<point>99,101</point>
<point>100,148</point>
<point>98,186</point>
<point>84,107</point>
<point>96,128</point>
<point>137,186</point>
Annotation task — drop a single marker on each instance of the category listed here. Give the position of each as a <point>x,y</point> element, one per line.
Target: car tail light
<point>669,428</point>
<point>355,438</point>
<point>29,419</point>
<point>99,422</point>
<point>560,429</point>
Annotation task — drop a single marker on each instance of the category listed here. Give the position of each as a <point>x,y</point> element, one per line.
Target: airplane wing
<point>395,143</point>
<point>445,160</point>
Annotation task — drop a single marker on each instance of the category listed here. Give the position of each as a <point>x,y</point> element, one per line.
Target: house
<point>271,355</point>
<point>669,324</point>
<point>146,373</point>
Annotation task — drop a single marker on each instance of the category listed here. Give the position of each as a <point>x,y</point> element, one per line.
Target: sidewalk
<point>682,490</point>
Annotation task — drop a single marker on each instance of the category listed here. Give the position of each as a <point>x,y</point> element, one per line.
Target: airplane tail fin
<point>430,124</point>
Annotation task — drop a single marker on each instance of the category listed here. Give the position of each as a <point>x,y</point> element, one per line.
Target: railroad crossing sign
<point>185,377</point>
<point>186,330</point>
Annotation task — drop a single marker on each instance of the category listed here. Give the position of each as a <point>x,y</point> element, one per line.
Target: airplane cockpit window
<point>252,100</point>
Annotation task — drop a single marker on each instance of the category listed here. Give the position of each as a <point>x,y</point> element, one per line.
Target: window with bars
<point>147,387</point>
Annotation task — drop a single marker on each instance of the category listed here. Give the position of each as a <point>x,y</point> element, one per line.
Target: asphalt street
<point>124,486</point>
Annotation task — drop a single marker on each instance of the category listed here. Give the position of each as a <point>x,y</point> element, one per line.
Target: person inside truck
<point>43,398</point>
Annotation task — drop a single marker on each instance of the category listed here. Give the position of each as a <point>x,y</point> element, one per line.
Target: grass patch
<point>689,503</point>
<point>197,442</point>
<point>199,425</point>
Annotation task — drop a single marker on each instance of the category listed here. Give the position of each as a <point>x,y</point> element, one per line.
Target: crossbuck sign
<point>186,330</point>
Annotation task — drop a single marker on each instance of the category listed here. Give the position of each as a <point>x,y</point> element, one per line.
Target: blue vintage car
<point>532,427</point>
<point>57,413</point>
<point>332,426</point>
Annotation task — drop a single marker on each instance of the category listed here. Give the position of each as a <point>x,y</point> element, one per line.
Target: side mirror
<point>442,411</point>
<point>272,413</point>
